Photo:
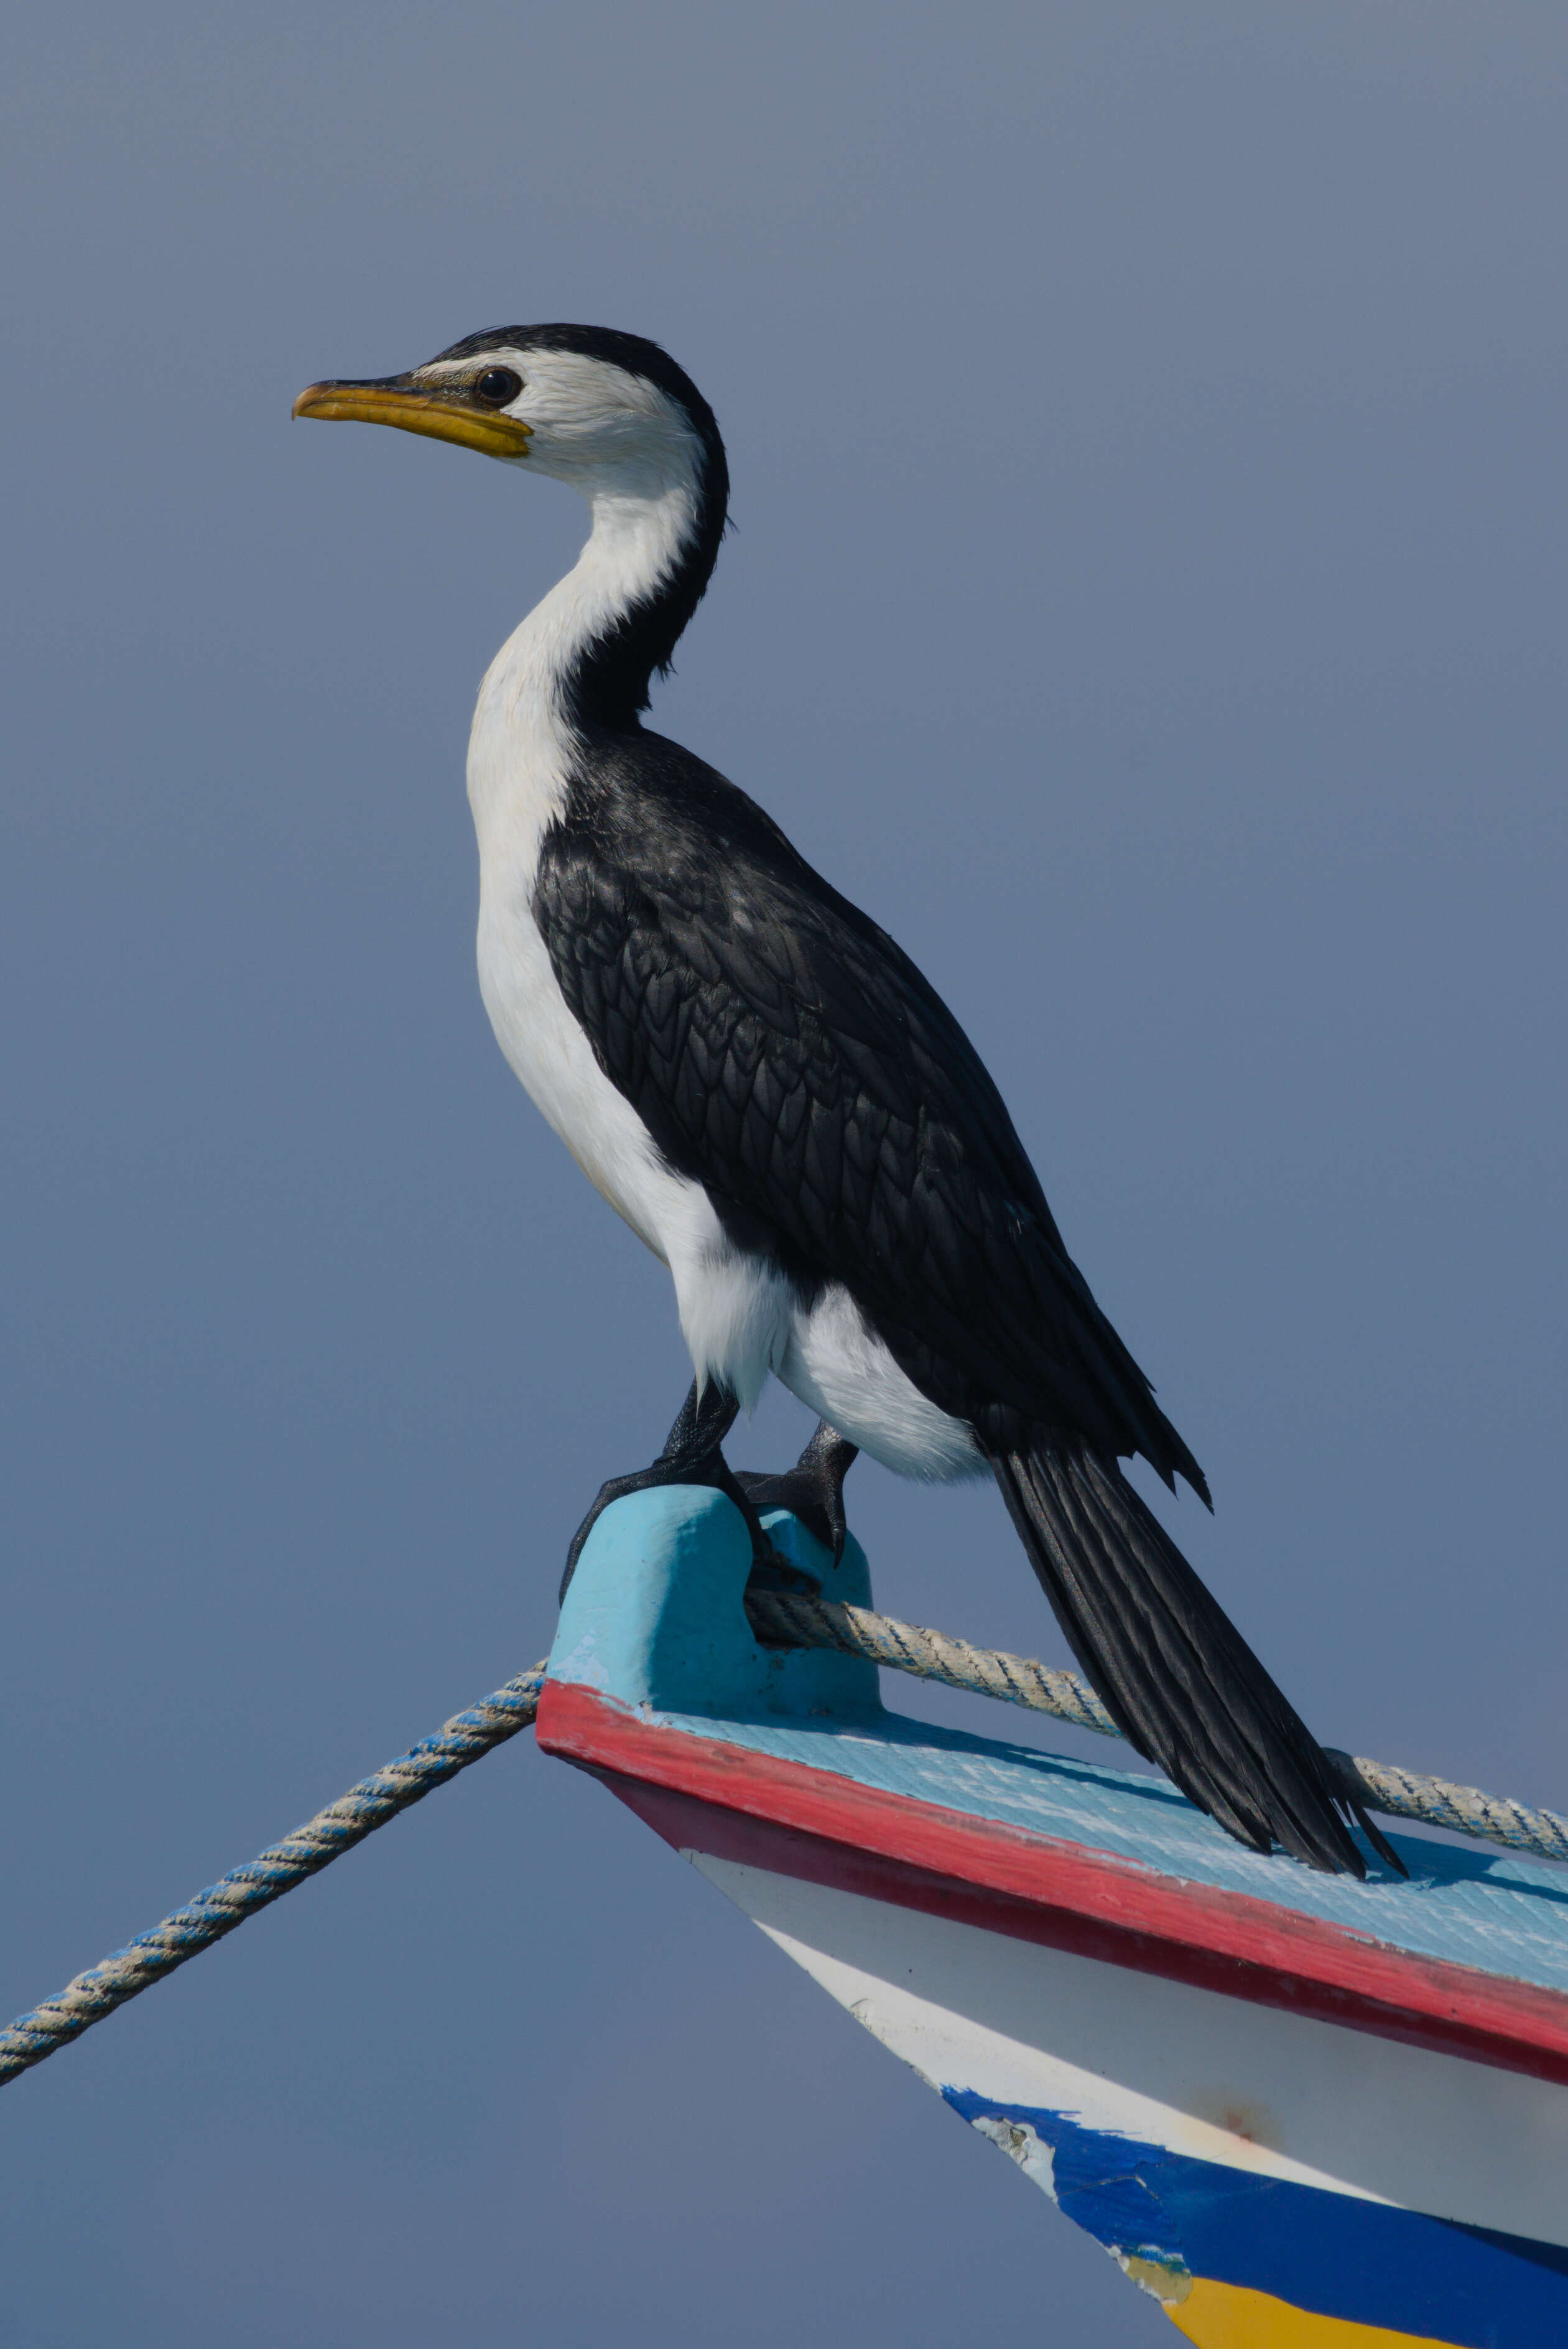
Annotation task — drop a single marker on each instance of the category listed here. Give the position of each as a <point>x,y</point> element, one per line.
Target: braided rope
<point>243,1890</point>
<point>1438,1802</point>
<point>780,1618</point>
<point>787,1620</point>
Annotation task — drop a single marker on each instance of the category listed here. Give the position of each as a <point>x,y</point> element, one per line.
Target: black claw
<point>813,1490</point>
<point>691,1456</point>
<point>615,1489</point>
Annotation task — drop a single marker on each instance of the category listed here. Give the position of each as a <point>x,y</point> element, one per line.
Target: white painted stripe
<point>1217,2079</point>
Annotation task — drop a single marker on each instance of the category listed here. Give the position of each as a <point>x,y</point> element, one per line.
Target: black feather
<point>782,1051</point>
<point>1169,1666</point>
<point>824,1095</point>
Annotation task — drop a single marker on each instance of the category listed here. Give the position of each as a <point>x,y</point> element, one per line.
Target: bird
<point>778,1103</point>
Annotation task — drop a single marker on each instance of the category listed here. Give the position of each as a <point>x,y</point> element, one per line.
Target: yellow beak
<point>440,415</point>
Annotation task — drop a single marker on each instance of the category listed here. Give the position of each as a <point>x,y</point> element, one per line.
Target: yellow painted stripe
<point>1229,2316</point>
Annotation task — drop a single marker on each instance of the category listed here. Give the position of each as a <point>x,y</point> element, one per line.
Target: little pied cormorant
<point>779,1105</point>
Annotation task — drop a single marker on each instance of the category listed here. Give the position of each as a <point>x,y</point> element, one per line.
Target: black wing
<point>784,1051</point>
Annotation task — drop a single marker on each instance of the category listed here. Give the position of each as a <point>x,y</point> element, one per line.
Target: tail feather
<point>1172,1669</point>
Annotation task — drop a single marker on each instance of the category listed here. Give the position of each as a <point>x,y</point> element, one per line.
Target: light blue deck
<point>654,1620</point>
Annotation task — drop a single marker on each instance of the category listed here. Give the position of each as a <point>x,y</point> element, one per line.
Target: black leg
<point>813,1490</point>
<point>691,1456</point>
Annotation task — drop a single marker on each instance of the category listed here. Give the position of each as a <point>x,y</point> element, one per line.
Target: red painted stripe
<point>703,1795</point>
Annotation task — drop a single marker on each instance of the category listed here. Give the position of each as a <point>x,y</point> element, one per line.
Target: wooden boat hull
<point>1295,2110</point>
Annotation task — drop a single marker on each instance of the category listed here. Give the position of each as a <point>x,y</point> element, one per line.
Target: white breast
<point>519,766</point>
<point>740,1317</point>
<point>734,1310</point>
<point>841,1369</point>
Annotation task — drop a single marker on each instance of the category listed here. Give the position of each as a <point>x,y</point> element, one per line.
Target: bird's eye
<point>497,387</point>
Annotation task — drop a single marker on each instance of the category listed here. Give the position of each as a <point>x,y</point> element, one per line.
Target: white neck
<point>522,741</point>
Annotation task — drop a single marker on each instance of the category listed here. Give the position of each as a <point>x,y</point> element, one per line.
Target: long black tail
<point>1170,1668</point>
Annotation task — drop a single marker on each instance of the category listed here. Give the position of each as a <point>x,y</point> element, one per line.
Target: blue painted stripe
<point>1333,2254</point>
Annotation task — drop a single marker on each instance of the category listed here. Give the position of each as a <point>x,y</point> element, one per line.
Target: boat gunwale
<point>766,1810</point>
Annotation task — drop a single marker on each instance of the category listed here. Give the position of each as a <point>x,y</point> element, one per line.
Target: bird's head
<point>610,413</point>
<point>613,415</point>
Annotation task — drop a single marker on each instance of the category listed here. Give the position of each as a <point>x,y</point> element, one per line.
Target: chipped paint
<point>1180,2226</point>
<point>1019,2142</point>
<point>581,1664</point>
<point>1168,2284</point>
<point>1300,2113</point>
<point>1166,2279</point>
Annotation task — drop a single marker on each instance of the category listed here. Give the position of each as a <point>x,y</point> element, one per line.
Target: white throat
<point>522,743</point>
<point>522,750</point>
